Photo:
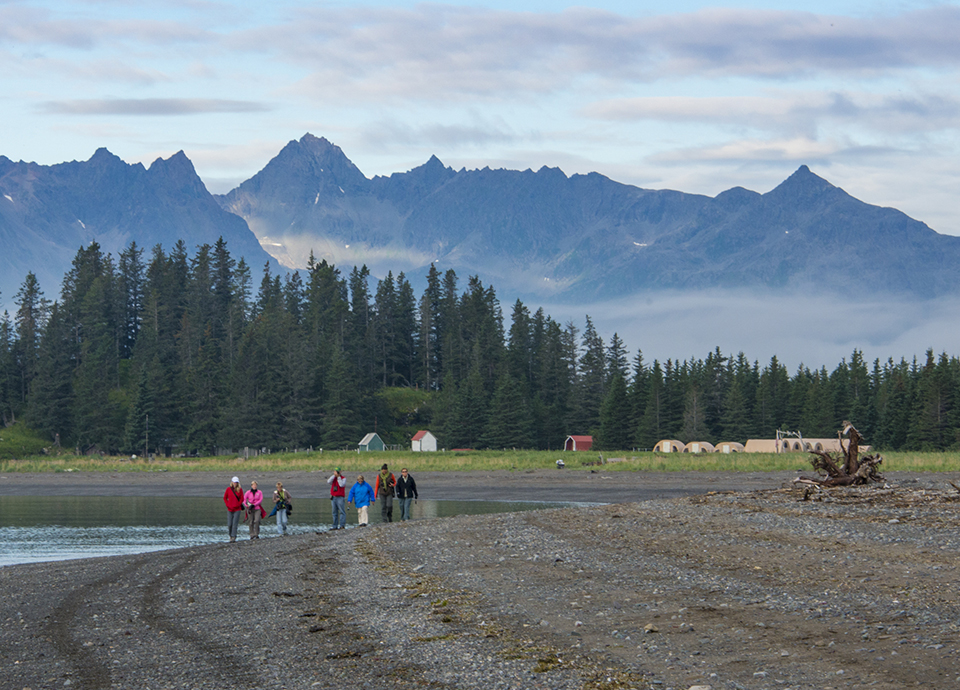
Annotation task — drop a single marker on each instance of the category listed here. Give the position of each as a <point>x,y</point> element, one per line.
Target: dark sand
<point>758,589</point>
<point>549,485</point>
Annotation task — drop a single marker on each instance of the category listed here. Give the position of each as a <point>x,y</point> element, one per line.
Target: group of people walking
<point>250,504</point>
<point>386,487</point>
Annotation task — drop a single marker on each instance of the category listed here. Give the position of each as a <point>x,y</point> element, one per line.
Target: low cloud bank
<point>815,330</point>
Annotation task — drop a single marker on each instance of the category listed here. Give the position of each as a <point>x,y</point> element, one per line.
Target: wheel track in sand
<point>96,673</point>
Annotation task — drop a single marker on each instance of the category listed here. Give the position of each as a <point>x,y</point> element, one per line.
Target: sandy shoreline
<point>757,589</point>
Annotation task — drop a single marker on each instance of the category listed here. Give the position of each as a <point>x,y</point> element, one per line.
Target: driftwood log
<point>846,468</point>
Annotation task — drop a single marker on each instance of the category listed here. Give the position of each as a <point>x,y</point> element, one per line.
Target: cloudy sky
<point>700,97</point>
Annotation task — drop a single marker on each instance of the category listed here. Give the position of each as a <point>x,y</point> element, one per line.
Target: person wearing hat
<point>338,505</point>
<point>361,495</point>
<point>384,490</point>
<point>233,498</point>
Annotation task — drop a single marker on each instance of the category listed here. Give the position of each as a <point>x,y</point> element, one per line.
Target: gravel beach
<point>680,581</point>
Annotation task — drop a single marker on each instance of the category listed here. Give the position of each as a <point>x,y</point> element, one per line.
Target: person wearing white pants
<point>361,495</point>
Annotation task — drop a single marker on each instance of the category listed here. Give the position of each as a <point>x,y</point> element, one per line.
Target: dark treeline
<point>178,352</point>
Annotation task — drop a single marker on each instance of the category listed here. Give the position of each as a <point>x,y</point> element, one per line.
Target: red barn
<point>578,443</point>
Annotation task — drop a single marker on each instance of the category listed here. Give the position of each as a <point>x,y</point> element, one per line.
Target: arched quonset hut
<point>762,445</point>
<point>830,445</point>
<point>668,446</point>
<point>698,447</point>
<point>728,447</point>
<point>578,443</point>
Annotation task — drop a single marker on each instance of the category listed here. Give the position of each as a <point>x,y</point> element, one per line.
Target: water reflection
<point>34,529</point>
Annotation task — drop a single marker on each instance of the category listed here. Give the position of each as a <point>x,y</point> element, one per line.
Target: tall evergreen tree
<point>445,412</point>
<point>363,334</point>
<point>550,406</point>
<point>137,428</point>
<point>8,370</point>
<point>773,395</point>
<point>694,417</point>
<point>615,415</point>
<point>653,426</point>
<point>616,357</point>
<point>637,393</point>
<point>735,421</point>
<point>30,319</point>
<point>519,355</point>
<point>49,410</point>
<point>509,423</point>
<point>430,334</point>
<point>481,328</point>
<point>406,332</point>
<point>130,293</point>
<point>895,403</point>
<point>932,407</point>
<point>471,412</point>
<point>591,379</point>
<point>341,424</point>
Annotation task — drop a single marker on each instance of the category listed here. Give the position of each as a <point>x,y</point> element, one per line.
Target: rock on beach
<point>753,588</point>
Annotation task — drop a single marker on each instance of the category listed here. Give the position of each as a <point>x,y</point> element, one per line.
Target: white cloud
<point>437,136</point>
<point>150,106</point>
<point>443,51</point>
<point>791,111</point>
<point>800,150</point>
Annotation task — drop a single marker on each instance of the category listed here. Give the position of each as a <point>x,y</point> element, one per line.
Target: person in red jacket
<point>233,498</point>
<point>338,499</point>
<point>383,491</point>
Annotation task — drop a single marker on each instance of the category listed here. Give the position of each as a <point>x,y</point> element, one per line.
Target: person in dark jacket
<point>383,490</point>
<point>233,498</point>
<point>406,491</point>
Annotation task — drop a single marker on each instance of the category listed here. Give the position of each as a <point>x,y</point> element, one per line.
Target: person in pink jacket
<point>253,502</point>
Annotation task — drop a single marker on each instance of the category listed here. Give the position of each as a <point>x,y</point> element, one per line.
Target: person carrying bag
<point>282,507</point>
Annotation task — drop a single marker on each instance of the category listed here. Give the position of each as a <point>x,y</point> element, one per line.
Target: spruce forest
<point>174,353</point>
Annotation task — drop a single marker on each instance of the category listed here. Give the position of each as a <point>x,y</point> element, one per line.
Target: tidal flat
<point>674,581</point>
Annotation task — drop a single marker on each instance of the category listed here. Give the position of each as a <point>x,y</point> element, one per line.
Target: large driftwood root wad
<point>846,468</point>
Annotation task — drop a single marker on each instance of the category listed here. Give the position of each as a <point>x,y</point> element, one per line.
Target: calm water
<point>34,529</point>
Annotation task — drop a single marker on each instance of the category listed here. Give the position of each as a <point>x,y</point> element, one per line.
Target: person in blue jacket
<point>361,495</point>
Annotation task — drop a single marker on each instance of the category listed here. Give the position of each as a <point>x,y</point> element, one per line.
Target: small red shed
<point>578,443</point>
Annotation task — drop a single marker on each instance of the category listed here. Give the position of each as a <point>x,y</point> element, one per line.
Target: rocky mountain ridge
<point>48,212</point>
<point>585,236</point>
<point>533,234</point>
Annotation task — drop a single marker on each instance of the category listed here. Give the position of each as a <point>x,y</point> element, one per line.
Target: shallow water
<point>35,529</point>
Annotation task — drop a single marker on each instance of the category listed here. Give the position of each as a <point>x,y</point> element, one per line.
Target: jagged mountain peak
<point>177,161</point>
<point>317,150</point>
<point>804,185</point>
<point>310,163</point>
<point>318,144</point>
<point>53,209</point>
<point>545,231</point>
<point>102,158</point>
<point>177,171</point>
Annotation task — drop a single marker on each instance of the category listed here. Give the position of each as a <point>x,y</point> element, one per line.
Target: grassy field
<point>16,441</point>
<point>519,460</point>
